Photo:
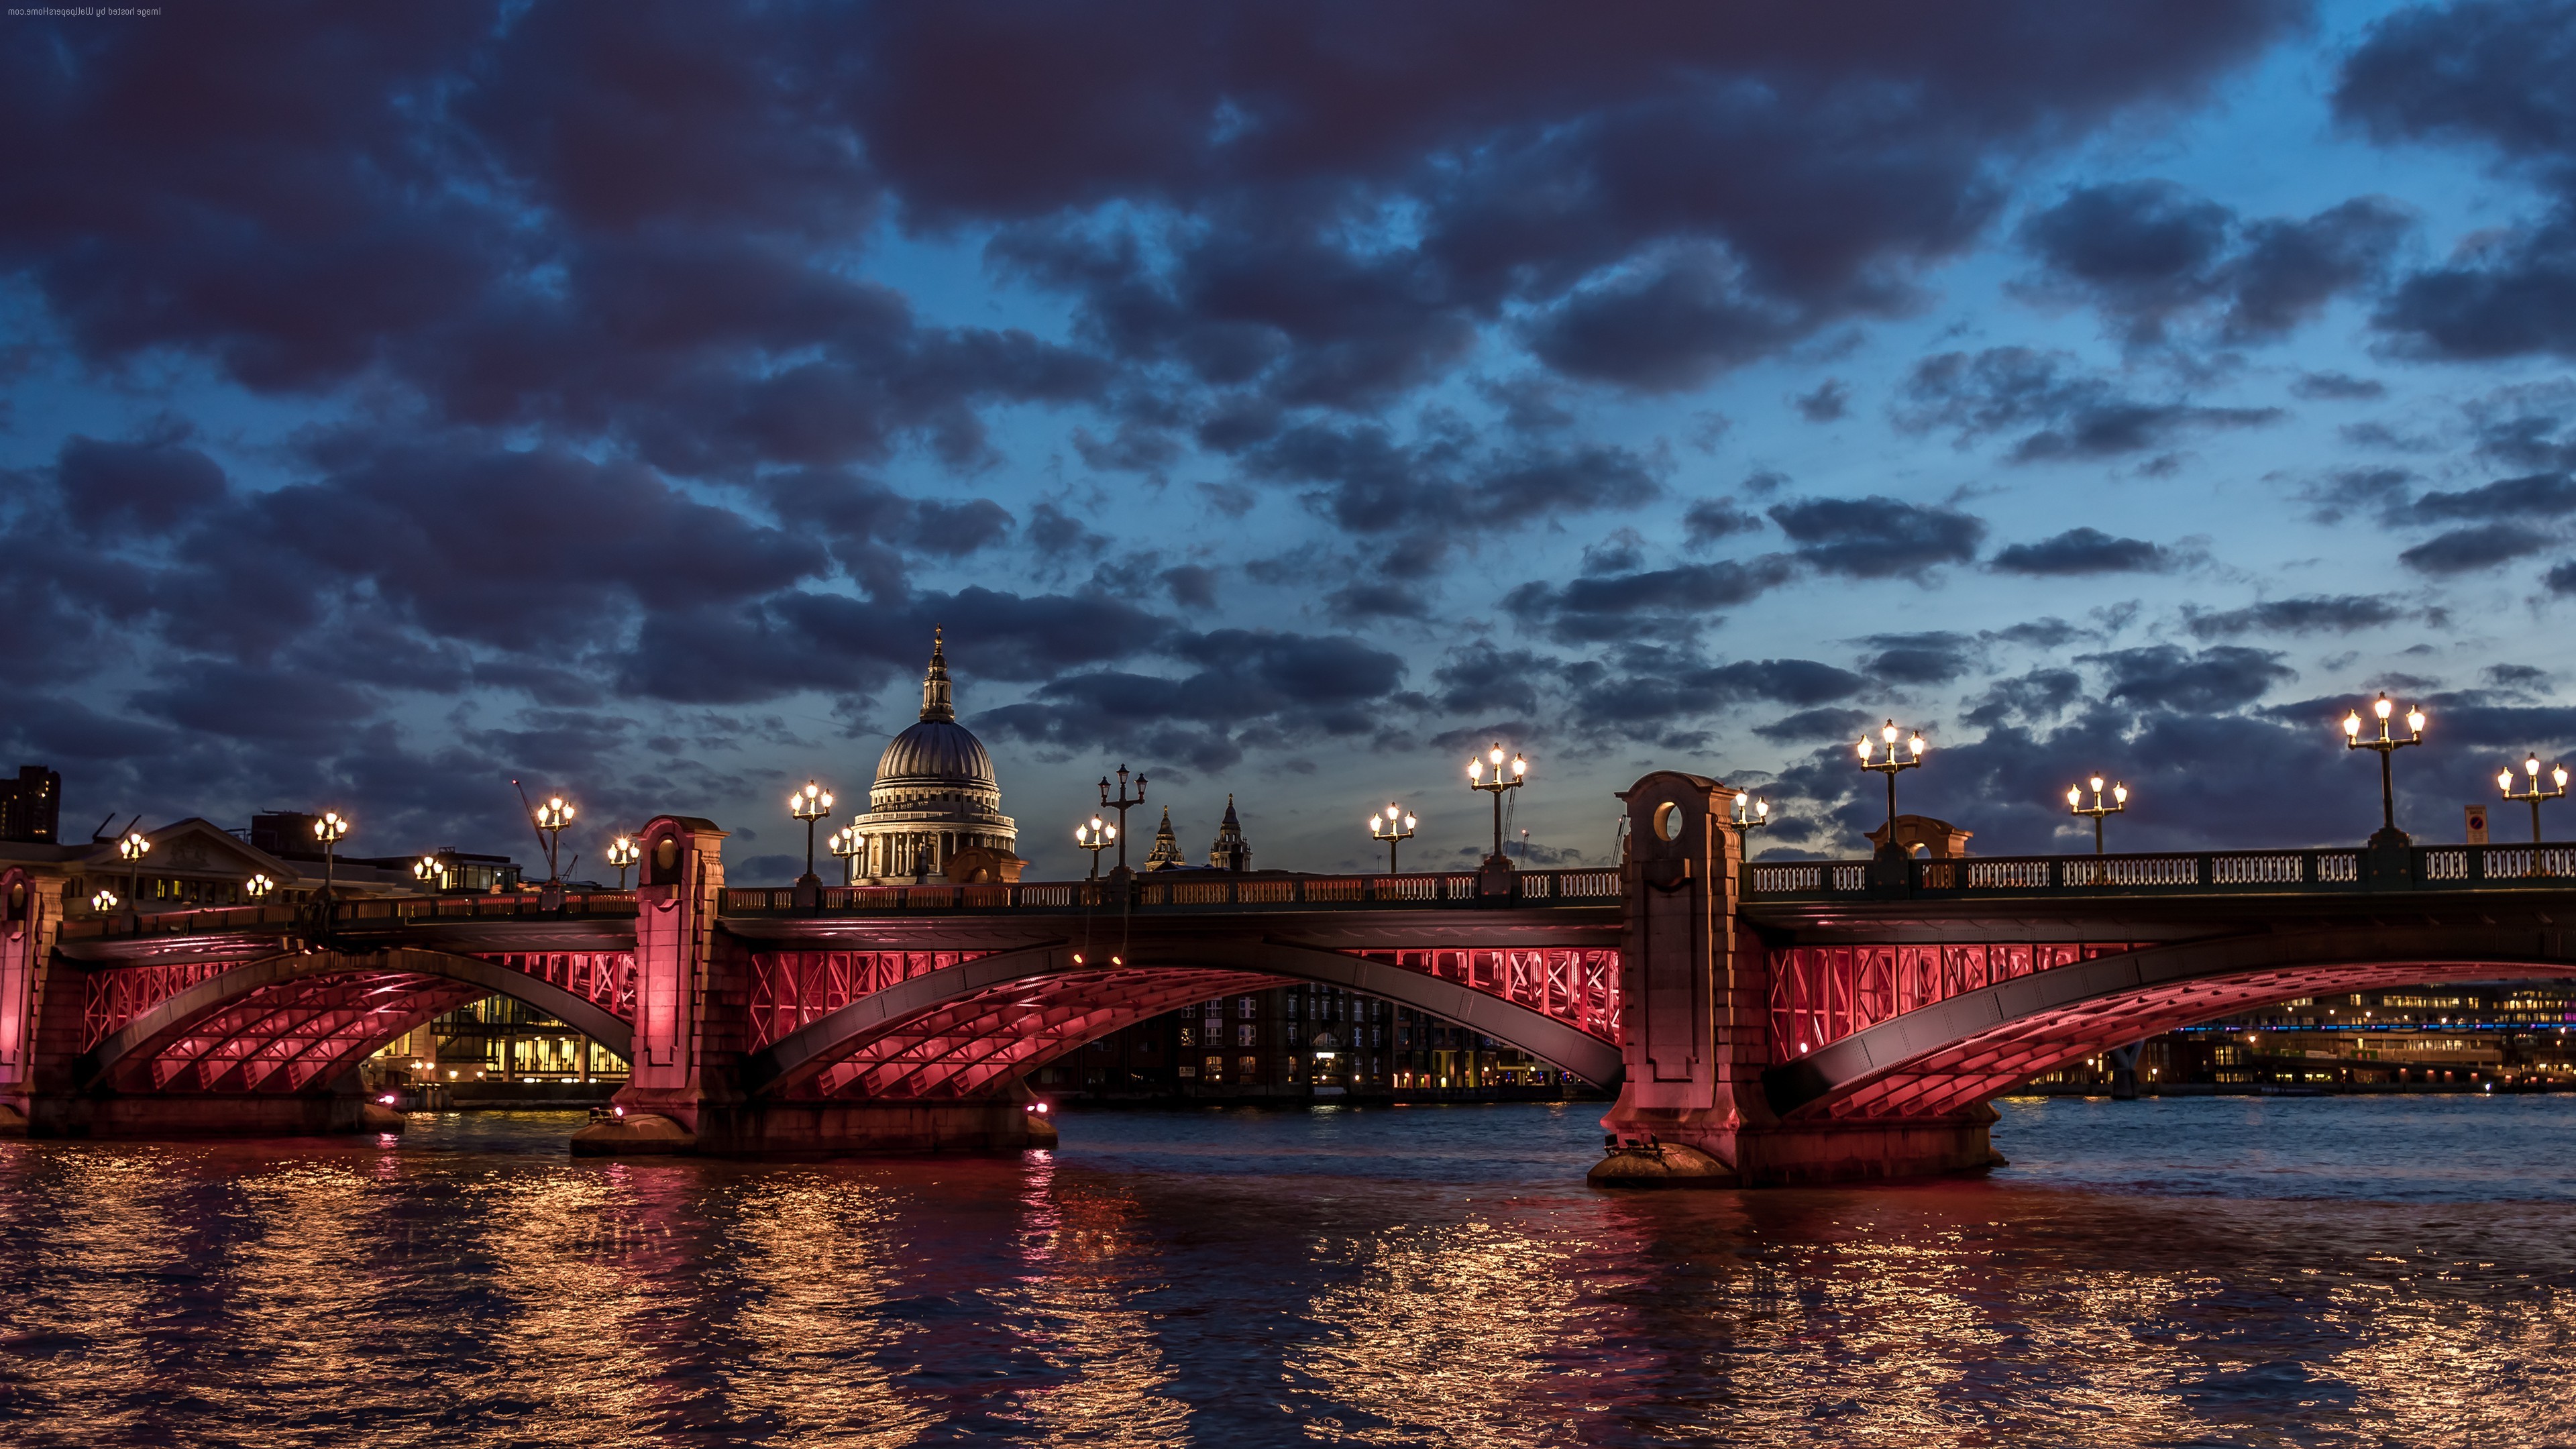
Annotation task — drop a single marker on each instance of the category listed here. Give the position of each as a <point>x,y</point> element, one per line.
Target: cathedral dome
<point>935,799</point>
<point>936,752</point>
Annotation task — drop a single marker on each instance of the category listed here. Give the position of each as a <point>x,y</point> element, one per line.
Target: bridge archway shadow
<point>300,1022</point>
<point>1946,1059</point>
<point>973,1029</point>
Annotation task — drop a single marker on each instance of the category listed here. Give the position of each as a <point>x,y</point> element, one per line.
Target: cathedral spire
<point>1231,851</point>
<point>934,685</point>
<point>1167,846</point>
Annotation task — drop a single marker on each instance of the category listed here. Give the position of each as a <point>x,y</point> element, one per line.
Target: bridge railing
<point>1195,891</point>
<point>2231,872</point>
<point>354,913</point>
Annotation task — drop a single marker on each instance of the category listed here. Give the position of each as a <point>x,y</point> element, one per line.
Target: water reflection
<point>2159,1273</point>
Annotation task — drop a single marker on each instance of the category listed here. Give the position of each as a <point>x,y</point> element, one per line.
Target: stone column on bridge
<point>1690,1027</point>
<point>693,1035</point>
<point>1695,1027</point>
<point>31,909</point>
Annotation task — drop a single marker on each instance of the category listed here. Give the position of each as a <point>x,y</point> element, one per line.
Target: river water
<point>2389,1270</point>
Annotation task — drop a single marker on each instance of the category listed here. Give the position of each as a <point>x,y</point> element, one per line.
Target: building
<point>935,811</point>
<point>2462,1036</point>
<point>1296,1044</point>
<point>1230,851</point>
<point>31,806</point>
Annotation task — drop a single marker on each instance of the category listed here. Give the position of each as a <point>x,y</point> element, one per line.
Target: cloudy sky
<point>1283,399</point>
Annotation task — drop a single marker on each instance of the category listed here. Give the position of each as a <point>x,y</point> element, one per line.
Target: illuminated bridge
<point>1769,1023</point>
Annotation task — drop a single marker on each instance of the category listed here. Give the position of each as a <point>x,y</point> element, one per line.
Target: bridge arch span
<point>286,1022</point>
<point>970,1029</point>
<point>1943,1059</point>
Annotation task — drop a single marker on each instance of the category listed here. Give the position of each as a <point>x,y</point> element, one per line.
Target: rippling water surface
<point>2208,1271</point>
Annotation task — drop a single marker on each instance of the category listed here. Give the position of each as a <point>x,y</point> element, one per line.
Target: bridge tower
<point>1695,1028</point>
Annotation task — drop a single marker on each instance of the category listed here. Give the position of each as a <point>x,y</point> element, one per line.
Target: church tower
<point>1231,851</point>
<point>1167,847</point>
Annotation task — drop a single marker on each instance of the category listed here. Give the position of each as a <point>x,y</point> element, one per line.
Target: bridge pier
<point>1694,1109</point>
<point>685,1092</point>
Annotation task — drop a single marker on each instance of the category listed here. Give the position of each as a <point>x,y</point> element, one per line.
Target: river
<point>2333,1271</point>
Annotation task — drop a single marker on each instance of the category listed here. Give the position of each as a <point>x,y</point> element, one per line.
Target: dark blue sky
<point>1281,399</point>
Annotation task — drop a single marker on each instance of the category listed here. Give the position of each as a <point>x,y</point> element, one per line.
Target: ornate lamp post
<point>1893,763</point>
<point>1504,779</point>
<point>425,870</point>
<point>2075,803</point>
<point>133,847</point>
<point>621,854</point>
<point>809,805</point>
<point>103,901</point>
<point>2387,745</point>
<point>845,843</point>
<point>1122,804</point>
<point>1752,813</point>
<point>329,830</point>
<point>551,818</point>
<point>2534,795</point>
<point>1392,827</point>
<point>259,887</point>
<point>1095,835</point>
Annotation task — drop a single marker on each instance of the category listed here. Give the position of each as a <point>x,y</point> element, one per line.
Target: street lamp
<point>1392,827</point>
<point>845,843</point>
<point>425,870</point>
<point>133,847</point>
<point>1122,804</point>
<point>259,886</point>
<point>809,805</point>
<point>1894,762</point>
<point>621,854</point>
<point>2531,767</point>
<point>1095,835</point>
<point>104,901</point>
<point>1504,779</point>
<point>328,830</point>
<point>1751,814</point>
<point>2387,745</point>
<point>2075,803</point>
<point>552,817</point>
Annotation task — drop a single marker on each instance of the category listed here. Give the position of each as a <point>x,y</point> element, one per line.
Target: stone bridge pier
<point>1694,1107</point>
<point>695,1083</point>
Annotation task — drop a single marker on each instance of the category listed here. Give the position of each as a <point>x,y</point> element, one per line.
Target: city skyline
<point>406,404</point>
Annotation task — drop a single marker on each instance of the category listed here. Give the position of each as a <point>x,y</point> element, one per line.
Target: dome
<point>936,752</point>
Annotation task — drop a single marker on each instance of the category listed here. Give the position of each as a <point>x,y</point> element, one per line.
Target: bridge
<point>1761,1023</point>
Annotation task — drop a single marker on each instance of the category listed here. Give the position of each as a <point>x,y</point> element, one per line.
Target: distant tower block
<point>1231,851</point>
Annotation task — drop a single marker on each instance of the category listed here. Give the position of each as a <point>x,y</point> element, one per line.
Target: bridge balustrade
<point>1590,887</point>
<point>2445,867</point>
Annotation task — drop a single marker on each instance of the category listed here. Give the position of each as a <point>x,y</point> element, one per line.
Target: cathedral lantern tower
<point>935,812</point>
<point>1231,851</point>
<point>1167,847</point>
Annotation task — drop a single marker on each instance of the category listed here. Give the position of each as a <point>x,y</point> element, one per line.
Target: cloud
<point>2007,389</point>
<point>2150,253</point>
<point>1711,519</point>
<point>1615,606</point>
<point>2337,387</point>
<point>1809,726</point>
<point>2310,614</point>
<point>1878,537</point>
<point>2083,551</point>
<point>2542,495</point>
<point>1247,688</point>
<point>1934,657</point>
<point>1828,403</point>
<point>2167,677</point>
<point>2478,75</point>
<point>2466,550</point>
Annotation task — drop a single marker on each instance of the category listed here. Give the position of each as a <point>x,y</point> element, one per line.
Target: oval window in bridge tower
<point>1668,821</point>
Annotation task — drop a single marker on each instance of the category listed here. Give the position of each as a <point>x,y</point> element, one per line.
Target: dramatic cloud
<point>1619,606</point>
<point>2163,676</point>
<point>2490,76</point>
